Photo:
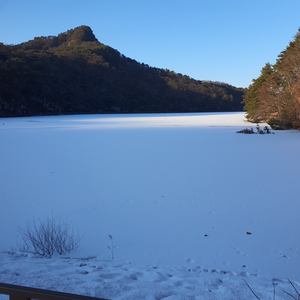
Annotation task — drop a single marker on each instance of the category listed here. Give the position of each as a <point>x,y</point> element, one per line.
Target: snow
<point>177,192</point>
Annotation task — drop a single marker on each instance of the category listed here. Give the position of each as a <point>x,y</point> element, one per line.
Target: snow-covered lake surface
<point>179,193</point>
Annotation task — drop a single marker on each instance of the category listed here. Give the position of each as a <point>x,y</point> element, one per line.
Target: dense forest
<point>274,97</point>
<point>75,73</point>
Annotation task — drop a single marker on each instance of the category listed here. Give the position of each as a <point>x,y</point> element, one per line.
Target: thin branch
<point>290,295</point>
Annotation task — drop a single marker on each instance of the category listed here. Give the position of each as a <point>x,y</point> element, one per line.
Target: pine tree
<point>252,99</point>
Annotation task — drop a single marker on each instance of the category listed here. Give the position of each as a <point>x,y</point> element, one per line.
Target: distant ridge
<point>74,73</point>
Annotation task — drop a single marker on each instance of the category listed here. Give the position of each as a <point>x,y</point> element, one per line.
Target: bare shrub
<point>48,237</point>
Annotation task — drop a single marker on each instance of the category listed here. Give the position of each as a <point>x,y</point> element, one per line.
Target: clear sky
<point>218,40</point>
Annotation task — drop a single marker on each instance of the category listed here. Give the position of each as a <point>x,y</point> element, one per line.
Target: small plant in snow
<point>48,237</point>
<point>259,131</point>
<point>246,131</point>
<point>266,130</point>
<point>112,247</point>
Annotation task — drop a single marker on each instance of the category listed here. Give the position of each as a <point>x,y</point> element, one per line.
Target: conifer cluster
<point>274,96</point>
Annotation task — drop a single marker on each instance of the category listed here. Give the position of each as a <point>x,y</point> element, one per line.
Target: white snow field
<point>179,193</point>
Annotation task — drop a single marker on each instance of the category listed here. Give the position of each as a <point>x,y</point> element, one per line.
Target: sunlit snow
<point>178,193</point>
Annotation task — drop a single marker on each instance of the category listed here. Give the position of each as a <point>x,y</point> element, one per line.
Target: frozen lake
<point>172,189</point>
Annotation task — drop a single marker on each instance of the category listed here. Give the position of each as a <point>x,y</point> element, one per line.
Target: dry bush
<point>48,237</point>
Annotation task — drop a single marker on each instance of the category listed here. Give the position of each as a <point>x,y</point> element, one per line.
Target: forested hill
<point>75,73</point>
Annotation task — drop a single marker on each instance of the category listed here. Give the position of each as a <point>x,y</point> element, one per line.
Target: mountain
<point>74,73</point>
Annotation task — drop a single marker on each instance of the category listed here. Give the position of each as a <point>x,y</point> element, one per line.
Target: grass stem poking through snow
<point>298,294</point>
<point>251,289</point>
<point>274,291</point>
<point>298,298</point>
<point>112,246</point>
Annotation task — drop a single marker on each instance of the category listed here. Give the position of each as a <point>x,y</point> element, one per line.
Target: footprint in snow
<point>135,276</point>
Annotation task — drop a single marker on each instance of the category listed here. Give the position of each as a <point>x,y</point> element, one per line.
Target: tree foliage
<point>75,73</point>
<point>275,94</point>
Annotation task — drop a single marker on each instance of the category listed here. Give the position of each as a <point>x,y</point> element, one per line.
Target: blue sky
<point>228,41</point>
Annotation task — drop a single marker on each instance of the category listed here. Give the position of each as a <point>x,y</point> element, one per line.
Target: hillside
<point>75,73</point>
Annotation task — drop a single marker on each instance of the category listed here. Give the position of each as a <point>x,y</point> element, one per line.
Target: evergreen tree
<point>252,99</point>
